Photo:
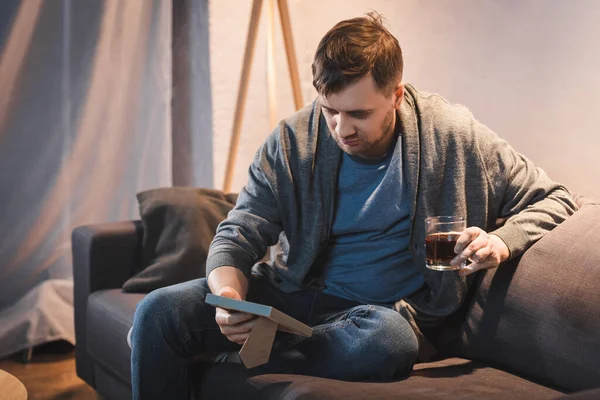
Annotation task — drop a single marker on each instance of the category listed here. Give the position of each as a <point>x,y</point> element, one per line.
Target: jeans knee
<point>392,344</point>
<point>153,308</point>
<point>168,306</point>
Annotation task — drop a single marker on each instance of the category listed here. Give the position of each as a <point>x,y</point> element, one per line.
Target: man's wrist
<point>228,276</point>
<point>503,250</point>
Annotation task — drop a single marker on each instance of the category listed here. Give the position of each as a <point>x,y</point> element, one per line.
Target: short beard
<point>387,126</point>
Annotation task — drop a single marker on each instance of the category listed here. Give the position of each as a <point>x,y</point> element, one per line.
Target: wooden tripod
<point>246,66</point>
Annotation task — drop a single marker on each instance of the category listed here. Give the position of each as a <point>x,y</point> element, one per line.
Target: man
<point>343,187</point>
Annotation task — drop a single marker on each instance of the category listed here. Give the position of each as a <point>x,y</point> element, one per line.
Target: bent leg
<point>368,343</point>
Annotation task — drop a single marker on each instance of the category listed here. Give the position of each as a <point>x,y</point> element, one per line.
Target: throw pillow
<point>179,225</point>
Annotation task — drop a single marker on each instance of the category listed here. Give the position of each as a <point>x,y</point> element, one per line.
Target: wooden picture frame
<point>257,348</point>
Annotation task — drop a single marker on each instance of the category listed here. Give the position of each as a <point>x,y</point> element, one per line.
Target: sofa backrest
<point>539,315</point>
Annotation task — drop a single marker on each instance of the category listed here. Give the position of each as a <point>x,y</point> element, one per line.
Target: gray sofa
<point>530,330</point>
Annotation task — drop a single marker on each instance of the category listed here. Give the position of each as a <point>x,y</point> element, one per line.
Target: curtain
<point>85,124</point>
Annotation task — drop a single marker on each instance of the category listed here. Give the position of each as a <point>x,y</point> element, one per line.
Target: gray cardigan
<point>453,165</point>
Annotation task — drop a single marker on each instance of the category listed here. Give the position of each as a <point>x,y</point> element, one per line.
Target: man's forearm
<point>530,224</point>
<point>228,276</point>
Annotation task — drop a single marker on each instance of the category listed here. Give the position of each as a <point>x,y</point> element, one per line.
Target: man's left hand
<point>484,250</point>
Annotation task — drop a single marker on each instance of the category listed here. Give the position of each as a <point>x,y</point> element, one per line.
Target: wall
<point>527,69</point>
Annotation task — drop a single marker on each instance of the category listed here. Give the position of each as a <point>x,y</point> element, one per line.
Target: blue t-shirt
<point>368,258</point>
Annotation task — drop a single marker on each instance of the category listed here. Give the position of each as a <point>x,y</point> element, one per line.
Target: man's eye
<point>331,112</point>
<point>360,115</point>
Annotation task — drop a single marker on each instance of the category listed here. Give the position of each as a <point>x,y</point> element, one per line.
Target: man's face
<point>361,118</point>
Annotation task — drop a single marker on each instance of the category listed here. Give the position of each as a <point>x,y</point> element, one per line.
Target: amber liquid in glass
<point>440,250</point>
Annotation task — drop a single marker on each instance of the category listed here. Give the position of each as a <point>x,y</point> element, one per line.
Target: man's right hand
<point>234,324</point>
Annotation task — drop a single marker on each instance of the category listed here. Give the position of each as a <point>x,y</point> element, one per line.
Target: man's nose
<point>343,127</point>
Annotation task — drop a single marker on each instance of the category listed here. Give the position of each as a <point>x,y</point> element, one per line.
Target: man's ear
<point>398,95</point>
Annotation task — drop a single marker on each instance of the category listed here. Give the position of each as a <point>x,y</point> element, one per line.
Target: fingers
<point>476,251</point>
<point>466,237</point>
<point>478,246</point>
<point>238,333</point>
<point>474,267</point>
<point>229,330</point>
<point>471,242</point>
<point>239,339</point>
<point>225,317</point>
<point>236,326</point>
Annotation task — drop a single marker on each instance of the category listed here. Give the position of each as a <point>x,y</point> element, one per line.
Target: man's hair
<point>353,49</point>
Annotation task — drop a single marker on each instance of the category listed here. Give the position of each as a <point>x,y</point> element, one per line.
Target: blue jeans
<point>350,341</point>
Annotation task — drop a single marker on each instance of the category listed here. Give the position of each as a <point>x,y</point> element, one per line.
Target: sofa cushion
<point>179,225</point>
<point>540,315</point>
<point>450,378</point>
<point>109,317</point>
<point>593,394</point>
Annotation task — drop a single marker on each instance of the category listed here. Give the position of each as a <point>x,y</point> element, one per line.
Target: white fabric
<point>129,337</point>
<point>85,89</point>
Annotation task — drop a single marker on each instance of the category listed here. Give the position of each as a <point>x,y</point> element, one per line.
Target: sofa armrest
<point>534,315</point>
<point>104,257</point>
